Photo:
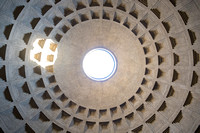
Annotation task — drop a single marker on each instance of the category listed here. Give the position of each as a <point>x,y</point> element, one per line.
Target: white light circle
<point>99,64</point>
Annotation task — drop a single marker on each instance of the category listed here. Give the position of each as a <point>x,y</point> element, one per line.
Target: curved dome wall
<point>156,85</point>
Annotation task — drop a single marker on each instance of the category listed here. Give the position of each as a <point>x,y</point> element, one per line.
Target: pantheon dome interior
<point>153,83</point>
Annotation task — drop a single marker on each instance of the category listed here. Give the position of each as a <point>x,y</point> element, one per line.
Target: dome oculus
<point>99,64</point>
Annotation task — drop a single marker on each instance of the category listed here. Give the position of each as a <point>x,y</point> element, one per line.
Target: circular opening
<point>99,64</point>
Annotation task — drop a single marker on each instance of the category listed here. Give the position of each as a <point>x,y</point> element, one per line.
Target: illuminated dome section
<point>44,52</point>
<point>99,64</point>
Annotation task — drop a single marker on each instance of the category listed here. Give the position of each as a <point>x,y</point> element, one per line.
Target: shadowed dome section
<point>99,64</point>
